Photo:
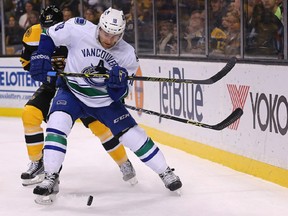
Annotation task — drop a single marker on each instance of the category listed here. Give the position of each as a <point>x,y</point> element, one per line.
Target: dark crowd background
<point>251,30</point>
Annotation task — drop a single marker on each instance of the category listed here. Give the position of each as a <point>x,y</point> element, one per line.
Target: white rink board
<point>264,105</point>
<point>16,85</point>
<point>259,89</point>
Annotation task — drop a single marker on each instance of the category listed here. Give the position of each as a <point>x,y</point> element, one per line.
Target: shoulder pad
<point>32,35</point>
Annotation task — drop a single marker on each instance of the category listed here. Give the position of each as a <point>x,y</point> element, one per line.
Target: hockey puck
<point>90,200</point>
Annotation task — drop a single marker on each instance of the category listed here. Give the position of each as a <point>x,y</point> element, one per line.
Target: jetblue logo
<point>180,99</point>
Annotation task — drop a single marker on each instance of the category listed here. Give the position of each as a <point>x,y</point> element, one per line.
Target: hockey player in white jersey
<point>92,49</point>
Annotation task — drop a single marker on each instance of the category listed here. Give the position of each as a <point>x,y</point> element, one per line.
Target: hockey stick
<point>219,75</point>
<point>236,114</point>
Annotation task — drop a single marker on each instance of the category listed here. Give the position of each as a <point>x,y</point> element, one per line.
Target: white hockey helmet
<point>112,21</point>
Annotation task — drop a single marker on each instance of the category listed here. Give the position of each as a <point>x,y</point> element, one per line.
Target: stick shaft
<point>219,75</point>
<point>236,114</point>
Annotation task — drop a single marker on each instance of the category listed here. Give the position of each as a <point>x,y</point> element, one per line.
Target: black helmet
<point>50,16</point>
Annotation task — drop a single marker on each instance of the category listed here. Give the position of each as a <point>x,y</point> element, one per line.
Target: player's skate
<point>171,181</point>
<point>47,190</point>
<point>34,174</point>
<point>128,172</point>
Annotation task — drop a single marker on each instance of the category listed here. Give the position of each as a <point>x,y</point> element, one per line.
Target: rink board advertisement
<point>260,134</point>
<point>16,85</point>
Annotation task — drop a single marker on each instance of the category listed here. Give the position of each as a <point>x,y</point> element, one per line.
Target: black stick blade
<point>220,126</point>
<point>225,70</point>
<point>235,115</point>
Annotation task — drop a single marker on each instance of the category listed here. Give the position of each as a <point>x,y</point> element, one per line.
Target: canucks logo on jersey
<point>98,82</point>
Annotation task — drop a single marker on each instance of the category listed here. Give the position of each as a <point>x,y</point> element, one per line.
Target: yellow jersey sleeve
<point>30,42</point>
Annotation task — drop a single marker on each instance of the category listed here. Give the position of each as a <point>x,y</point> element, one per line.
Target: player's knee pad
<point>134,138</point>
<point>32,117</point>
<point>60,121</point>
<point>101,131</point>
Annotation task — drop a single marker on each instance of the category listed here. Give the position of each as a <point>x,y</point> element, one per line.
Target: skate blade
<point>45,200</point>
<point>36,180</point>
<point>178,192</point>
<point>133,181</point>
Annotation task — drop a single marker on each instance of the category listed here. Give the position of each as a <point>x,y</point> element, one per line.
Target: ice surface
<point>209,189</point>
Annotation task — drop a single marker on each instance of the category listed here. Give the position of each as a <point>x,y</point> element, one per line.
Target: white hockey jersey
<point>85,53</point>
